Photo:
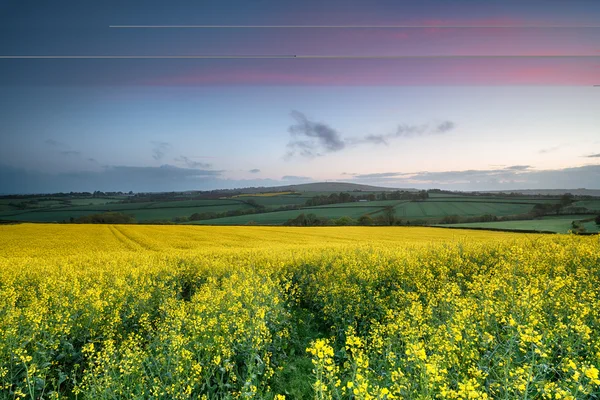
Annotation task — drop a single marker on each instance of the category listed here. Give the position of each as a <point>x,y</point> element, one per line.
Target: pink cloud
<point>241,77</point>
<point>451,71</point>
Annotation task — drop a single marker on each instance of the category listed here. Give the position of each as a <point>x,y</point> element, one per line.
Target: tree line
<point>343,197</point>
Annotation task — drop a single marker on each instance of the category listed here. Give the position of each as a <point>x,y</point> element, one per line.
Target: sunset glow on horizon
<point>510,83</point>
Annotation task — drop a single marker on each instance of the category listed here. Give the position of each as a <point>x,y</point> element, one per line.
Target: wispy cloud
<point>313,139</point>
<point>409,131</point>
<point>518,167</point>
<point>124,178</point>
<point>505,178</point>
<point>160,149</point>
<point>593,156</point>
<point>254,171</point>
<point>191,163</point>
<point>295,178</point>
<point>549,150</point>
<point>377,175</point>
<point>55,143</point>
<point>70,153</point>
<point>61,148</point>
<point>310,139</point>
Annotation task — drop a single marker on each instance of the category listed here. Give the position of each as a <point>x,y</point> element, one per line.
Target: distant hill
<point>315,187</point>
<point>335,187</point>
<point>553,192</point>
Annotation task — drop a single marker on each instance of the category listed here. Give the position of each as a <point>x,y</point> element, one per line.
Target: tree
<point>598,220</point>
<point>566,199</point>
<point>106,218</point>
<point>389,215</point>
<point>344,221</point>
<point>365,220</point>
<point>450,219</point>
<point>195,217</point>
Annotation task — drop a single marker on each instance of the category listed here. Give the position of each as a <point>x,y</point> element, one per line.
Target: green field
<point>141,214</point>
<point>280,217</point>
<point>589,204</point>
<point>558,224</point>
<point>44,216</point>
<point>363,204</point>
<point>439,209</point>
<point>277,201</point>
<point>276,208</point>
<point>92,201</point>
<point>591,226</point>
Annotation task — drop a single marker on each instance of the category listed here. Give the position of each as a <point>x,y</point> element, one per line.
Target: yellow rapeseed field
<point>178,312</point>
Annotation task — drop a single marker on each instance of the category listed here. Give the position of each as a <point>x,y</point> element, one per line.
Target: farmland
<point>560,224</point>
<point>114,311</point>
<point>353,207</point>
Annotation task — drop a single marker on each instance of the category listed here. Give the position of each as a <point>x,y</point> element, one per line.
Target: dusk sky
<point>469,95</point>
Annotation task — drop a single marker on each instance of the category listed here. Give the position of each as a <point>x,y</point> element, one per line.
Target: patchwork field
<point>560,224</point>
<point>179,312</point>
<point>436,208</point>
<point>280,208</point>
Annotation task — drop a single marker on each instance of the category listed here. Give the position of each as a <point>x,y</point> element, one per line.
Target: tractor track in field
<point>133,240</point>
<point>123,239</point>
<point>127,240</point>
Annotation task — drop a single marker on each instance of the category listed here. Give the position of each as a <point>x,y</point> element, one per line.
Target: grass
<point>589,204</point>
<point>428,210</point>
<point>277,201</point>
<point>194,203</point>
<point>44,216</point>
<point>591,226</point>
<point>558,224</point>
<point>268,194</point>
<point>92,201</point>
<point>371,204</point>
<point>432,210</point>
<point>280,217</point>
<point>142,213</point>
<point>149,214</point>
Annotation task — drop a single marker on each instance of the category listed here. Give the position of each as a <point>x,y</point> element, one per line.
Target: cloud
<point>160,149</point>
<point>313,139</point>
<point>549,150</point>
<point>444,127</point>
<point>70,153</point>
<point>55,143</point>
<point>295,178</point>
<point>191,163</point>
<point>409,131</point>
<point>593,156</point>
<point>493,179</point>
<point>518,167</point>
<point>110,178</point>
<point>171,178</point>
<point>62,148</point>
<point>377,175</point>
<point>254,171</point>
<point>304,148</point>
<point>166,178</point>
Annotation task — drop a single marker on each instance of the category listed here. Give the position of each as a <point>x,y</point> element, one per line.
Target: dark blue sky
<point>86,123</point>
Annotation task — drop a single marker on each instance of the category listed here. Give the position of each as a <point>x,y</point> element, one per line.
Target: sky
<point>197,95</point>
